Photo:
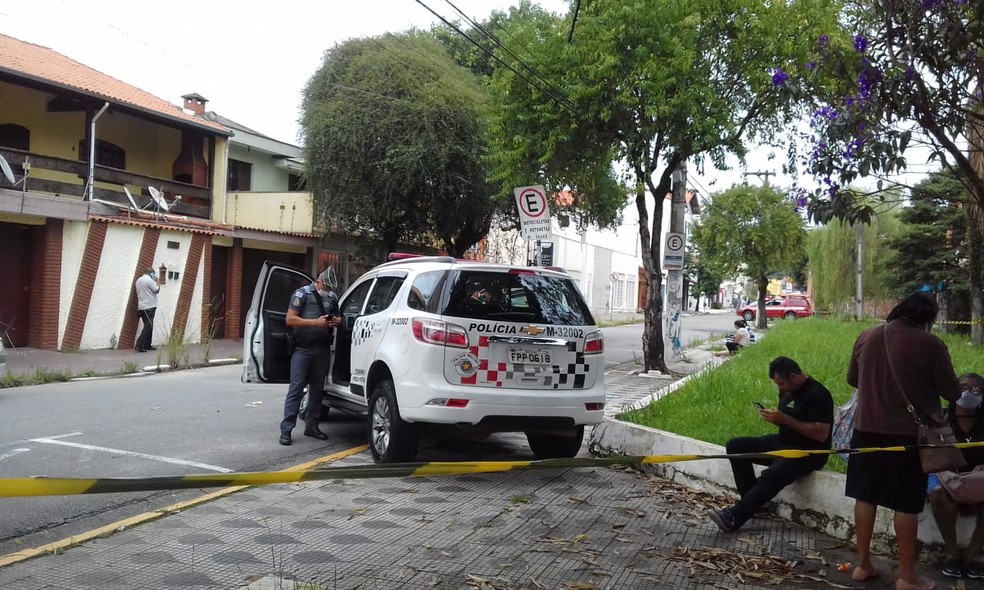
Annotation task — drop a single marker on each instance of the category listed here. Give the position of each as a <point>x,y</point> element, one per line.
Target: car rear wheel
<point>748,316</point>
<point>790,315</point>
<point>555,446</point>
<point>391,440</point>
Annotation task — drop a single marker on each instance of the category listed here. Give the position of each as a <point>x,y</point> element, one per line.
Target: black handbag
<point>944,457</point>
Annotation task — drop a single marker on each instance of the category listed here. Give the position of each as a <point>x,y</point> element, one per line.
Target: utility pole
<point>859,282</point>
<point>761,174</point>
<point>673,305</point>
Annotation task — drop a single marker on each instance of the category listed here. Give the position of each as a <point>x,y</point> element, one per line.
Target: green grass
<point>718,405</point>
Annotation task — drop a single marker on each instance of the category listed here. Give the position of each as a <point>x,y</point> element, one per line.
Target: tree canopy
<point>908,84</point>
<point>639,87</point>
<point>393,129</point>
<point>754,231</point>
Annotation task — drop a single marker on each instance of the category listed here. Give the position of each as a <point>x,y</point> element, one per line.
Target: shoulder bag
<point>936,450</point>
<point>964,488</point>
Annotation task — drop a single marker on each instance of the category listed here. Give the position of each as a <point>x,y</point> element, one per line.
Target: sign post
<point>534,212</point>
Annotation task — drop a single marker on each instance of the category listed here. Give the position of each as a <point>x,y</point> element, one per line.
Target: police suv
<point>435,340</point>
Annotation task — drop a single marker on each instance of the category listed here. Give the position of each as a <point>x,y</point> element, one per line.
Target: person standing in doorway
<point>312,315</point>
<point>147,289</point>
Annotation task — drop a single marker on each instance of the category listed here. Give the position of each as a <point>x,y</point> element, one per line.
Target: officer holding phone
<point>312,315</point>
<point>804,416</point>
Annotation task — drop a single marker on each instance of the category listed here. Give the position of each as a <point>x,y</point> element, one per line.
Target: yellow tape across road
<point>60,486</point>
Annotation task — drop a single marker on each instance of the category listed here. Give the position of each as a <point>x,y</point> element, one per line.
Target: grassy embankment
<point>718,405</point>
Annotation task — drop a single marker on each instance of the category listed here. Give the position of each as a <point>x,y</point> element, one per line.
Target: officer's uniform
<point>311,358</point>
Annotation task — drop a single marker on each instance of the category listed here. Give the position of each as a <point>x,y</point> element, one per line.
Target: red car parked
<point>789,307</point>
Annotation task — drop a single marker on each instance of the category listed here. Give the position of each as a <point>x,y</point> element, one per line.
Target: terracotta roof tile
<point>40,63</point>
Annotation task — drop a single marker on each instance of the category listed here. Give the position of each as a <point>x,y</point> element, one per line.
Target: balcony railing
<point>195,200</point>
<point>290,212</point>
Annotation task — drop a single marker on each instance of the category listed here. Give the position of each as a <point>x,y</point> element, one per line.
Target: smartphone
<point>760,406</point>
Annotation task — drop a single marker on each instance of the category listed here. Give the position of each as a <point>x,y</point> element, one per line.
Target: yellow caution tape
<point>62,486</point>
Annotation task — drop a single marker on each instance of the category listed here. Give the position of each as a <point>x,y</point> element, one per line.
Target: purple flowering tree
<point>908,84</point>
<point>629,90</point>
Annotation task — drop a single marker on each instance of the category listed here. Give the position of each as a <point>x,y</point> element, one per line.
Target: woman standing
<point>898,360</point>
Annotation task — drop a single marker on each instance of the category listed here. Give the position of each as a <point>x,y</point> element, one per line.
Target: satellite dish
<point>129,197</point>
<point>7,172</point>
<point>158,197</point>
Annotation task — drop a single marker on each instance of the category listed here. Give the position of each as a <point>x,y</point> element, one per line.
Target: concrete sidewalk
<point>535,529</point>
<point>108,362</point>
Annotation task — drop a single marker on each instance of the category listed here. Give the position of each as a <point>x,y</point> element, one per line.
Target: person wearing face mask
<point>312,315</point>
<point>966,419</point>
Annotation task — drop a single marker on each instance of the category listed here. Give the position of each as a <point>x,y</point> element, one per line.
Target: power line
<point>512,54</point>
<point>491,54</point>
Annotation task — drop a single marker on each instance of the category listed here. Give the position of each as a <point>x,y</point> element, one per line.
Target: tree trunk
<point>975,257</point>
<point>761,318</point>
<point>653,353</point>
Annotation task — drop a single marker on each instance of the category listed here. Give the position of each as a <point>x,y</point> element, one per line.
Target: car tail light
<point>520,271</point>
<point>438,332</point>
<point>448,403</point>
<point>594,343</point>
<point>594,406</point>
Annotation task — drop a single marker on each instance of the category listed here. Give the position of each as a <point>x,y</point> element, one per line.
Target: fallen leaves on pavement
<point>768,570</point>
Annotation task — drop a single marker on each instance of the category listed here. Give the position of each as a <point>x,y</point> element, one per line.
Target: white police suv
<point>435,340</point>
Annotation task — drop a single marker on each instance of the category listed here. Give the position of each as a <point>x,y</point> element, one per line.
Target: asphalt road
<point>187,422</point>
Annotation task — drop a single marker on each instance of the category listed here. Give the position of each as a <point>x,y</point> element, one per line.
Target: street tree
<point>393,129</point>
<point>752,230</point>
<point>832,251</point>
<point>627,91</point>
<point>930,248</point>
<point>908,85</point>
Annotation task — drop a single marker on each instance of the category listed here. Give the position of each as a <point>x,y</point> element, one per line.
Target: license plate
<point>529,357</point>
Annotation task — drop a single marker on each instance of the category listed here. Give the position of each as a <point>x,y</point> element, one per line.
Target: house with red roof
<point>102,180</point>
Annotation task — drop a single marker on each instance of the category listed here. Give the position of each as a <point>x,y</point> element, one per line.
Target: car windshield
<point>517,296</point>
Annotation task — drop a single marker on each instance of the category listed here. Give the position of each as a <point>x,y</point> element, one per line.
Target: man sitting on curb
<point>805,417</point>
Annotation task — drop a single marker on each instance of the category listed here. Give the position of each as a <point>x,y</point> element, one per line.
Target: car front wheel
<point>555,446</point>
<point>790,315</point>
<point>391,440</point>
<point>748,316</point>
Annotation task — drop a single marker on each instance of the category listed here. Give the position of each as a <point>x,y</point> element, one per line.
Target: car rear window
<point>516,297</point>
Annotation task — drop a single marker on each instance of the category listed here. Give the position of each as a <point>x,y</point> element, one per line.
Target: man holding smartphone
<point>312,315</point>
<point>805,416</point>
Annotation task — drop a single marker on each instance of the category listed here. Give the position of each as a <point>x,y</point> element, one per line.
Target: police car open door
<point>265,356</point>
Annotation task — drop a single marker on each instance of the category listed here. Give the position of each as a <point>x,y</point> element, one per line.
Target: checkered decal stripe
<point>362,334</point>
<point>566,376</point>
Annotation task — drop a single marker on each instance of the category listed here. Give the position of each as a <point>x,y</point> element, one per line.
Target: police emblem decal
<point>465,364</point>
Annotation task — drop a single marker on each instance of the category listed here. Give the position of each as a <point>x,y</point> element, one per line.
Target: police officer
<point>313,313</point>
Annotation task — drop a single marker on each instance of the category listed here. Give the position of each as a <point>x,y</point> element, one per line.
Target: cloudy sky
<point>249,58</point>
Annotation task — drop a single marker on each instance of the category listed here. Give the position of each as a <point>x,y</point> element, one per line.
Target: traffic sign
<point>673,251</point>
<point>534,212</point>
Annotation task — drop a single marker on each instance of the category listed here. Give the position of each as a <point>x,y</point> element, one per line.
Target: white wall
<point>264,176</point>
<point>114,283</point>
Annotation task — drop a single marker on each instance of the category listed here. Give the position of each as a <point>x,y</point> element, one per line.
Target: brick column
<point>234,291</point>
<point>46,286</point>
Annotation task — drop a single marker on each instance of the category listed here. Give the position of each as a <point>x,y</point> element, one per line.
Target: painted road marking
<point>12,452</point>
<point>53,440</point>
